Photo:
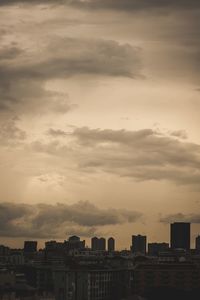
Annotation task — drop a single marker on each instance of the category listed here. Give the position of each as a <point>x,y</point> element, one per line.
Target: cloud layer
<point>180,217</point>
<point>115,4</point>
<point>57,221</point>
<point>10,134</point>
<point>136,4</point>
<point>24,73</point>
<point>141,155</point>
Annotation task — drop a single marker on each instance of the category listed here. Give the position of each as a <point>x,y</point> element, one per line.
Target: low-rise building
<point>184,276</point>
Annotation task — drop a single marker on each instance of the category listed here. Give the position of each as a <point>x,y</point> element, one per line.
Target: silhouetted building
<point>95,243</point>
<point>4,250</point>
<point>197,243</point>
<point>30,246</point>
<point>154,249</point>
<point>102,244</point>
<point>98,244</point>
<point>53,245</point>
<point>111,244</point>
<point>139,244</point>
<point>74,242</point>
<point>180,236</point>
<point>74,239</point>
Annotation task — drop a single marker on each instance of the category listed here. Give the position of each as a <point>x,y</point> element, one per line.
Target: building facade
<point>150,277</point>
<point>96,284</point>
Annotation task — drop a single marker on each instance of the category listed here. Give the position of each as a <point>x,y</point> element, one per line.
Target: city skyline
<point>179,238</point>
<point>99,119</point>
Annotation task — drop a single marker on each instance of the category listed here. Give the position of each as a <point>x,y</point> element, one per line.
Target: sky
<point>99,119</point>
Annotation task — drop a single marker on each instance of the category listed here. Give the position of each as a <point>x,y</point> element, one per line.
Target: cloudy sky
<point>99,118</point>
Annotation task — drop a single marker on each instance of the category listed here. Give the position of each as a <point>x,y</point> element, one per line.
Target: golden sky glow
<point>99,118</point>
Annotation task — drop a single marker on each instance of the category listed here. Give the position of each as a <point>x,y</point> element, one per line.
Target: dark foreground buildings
<point>176,281</point>
<point>99,282</point>
<point>69,270</point>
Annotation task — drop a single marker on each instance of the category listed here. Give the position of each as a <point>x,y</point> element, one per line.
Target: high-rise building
<point>111,244</point>
<point>30,246</point>
<point>98,244</point>
<point>102,244</point>
<point>180,235</point>
<point>95,243</point>
<point>139,244</point>
<point>197,243</point>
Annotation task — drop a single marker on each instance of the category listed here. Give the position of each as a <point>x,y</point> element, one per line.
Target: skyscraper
<point>180,235</point>
<point>111,244</point>
<point>139,244</point>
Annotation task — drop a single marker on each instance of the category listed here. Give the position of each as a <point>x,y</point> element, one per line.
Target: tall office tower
<point>102,244</point>
<point>139,243</point>
<point>197,243</point>
<point>95,243</point>
<point>30,246</point>
<point>111,244</point>
<point>180,235</point>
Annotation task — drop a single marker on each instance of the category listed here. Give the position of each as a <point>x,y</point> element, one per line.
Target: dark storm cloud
<point>20,89</point>
<point>67,57</point>
<point>114,4</point>
<point>22,81</point>
<point>83,214</point>
<point>136,4</point>
<point>12,211</point>
<point>7,53</point>
<point>46,221</point>
<point>180,217</point>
